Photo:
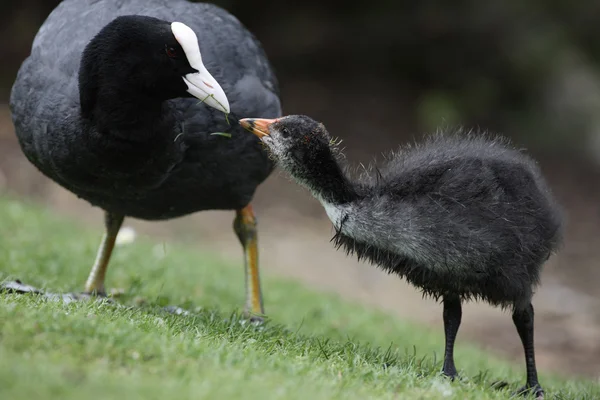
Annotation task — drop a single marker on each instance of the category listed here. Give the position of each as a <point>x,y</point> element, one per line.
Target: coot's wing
<point>45,96</point>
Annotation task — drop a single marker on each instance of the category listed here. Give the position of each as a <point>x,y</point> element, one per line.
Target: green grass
<point>315,346</point>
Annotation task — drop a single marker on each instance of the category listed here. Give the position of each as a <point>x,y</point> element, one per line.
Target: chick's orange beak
<point>258,126</point>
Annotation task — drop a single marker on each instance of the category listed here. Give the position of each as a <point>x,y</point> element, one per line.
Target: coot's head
<point>149,56</point>
<point>300,144</point>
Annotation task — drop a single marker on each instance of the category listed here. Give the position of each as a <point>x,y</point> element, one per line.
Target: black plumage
<point>461,216</point>
<point>101,107</point>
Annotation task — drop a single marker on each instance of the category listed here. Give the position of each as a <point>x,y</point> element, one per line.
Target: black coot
<point>116,103</point>
<point>460,216</point>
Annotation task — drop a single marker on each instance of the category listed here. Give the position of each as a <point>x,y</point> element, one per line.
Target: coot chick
<point>460,216</point>
<point>112,105</point>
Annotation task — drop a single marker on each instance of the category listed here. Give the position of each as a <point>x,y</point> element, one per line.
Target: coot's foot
<point>82,296</point>
<point>527,390</point>
<point>18,287</point>
<point>450,372</point>
<point>86,296</point>
<point>452,378</point>
<point>253,318</point>
<point>89,295</point>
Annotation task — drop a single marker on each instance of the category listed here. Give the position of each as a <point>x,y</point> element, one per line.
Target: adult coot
<point>460,216</point>
<point>112,105</point>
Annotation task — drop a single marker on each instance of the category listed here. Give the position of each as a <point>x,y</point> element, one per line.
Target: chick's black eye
<point>171,51</point>
<point>284,132</point>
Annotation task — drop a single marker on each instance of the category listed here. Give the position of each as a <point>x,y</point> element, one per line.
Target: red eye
<point>306,139</point>
<point>171,52</point>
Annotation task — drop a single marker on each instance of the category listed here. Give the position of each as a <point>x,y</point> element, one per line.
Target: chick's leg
<point>452,317</point>
<point>523,320</point>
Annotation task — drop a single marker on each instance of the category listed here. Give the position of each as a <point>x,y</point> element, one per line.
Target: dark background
<point>379,74</point>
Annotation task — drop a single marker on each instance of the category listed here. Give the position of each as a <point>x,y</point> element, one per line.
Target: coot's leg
<point>245,228</point>
<point>523,320</point>
<point>95,281</point>
<point>452,317</point>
